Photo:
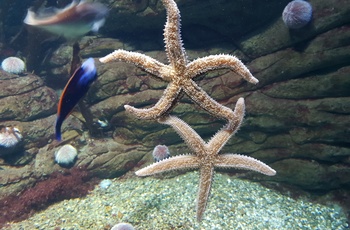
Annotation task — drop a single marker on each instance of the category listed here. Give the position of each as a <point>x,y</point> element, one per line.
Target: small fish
<point>71,22</point>
<point>76,88</point>
<point>103,123</point>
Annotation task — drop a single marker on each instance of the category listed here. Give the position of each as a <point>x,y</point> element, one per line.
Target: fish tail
<point>58,137</point>
<point>58,134</point>
<point>30,18</point>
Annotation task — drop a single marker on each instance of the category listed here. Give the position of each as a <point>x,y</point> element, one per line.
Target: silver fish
<point>71,22</point>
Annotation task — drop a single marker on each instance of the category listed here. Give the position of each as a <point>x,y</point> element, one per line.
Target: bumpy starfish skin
<point>179,73</point>
<point>206,155</point>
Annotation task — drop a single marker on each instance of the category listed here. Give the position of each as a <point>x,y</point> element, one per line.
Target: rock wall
<point>297,117</point>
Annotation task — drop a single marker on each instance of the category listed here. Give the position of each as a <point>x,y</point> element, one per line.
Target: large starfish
<point>206,156</point>
<point>179,73</point>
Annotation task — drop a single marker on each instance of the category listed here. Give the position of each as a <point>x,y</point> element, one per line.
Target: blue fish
<point>76,88</point>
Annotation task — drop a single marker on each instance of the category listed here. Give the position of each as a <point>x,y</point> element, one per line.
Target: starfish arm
<point>173,163</point>
<point>165,103</point>
<point>222,61</point>
<point>191,137</point>
<point>200,97</point>
<point>243,162</point>
<point>145,62</point>
<point>205,181</point>
<point>172,37</point>
<point>222,136</point>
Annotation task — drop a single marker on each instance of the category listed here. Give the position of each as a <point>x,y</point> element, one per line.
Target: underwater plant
<point>72,183</point>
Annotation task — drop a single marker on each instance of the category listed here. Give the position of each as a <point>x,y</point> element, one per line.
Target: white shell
<point>9,137</point>
<point>66,155</point>
<point>13,65</point>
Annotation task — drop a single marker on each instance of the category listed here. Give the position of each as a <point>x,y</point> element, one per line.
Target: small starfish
<point>206,155</point>
<point>179,73</point>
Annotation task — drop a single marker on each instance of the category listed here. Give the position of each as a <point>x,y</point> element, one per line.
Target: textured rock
<point>326,16</point>
<point>328,50</point>
<point>108,159</point>
<point>25,98</point>
<point>143,21</point>
<point>12,85</point>
<point>311,174</point>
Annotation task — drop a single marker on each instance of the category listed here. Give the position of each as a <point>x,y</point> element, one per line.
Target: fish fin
<point>44,13</point>
<point>58,135</point>
<point>30,18</point>
<point>96,26</point>
<point>47,12</point>
<point>73,4</point>
<point>50,11</point>
<point>89,72</point>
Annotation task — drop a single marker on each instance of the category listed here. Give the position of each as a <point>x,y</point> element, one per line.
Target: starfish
<point>206,156</point>
<point>179,73</point>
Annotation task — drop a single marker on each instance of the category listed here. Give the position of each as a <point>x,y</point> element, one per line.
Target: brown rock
<point>327,15</point>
